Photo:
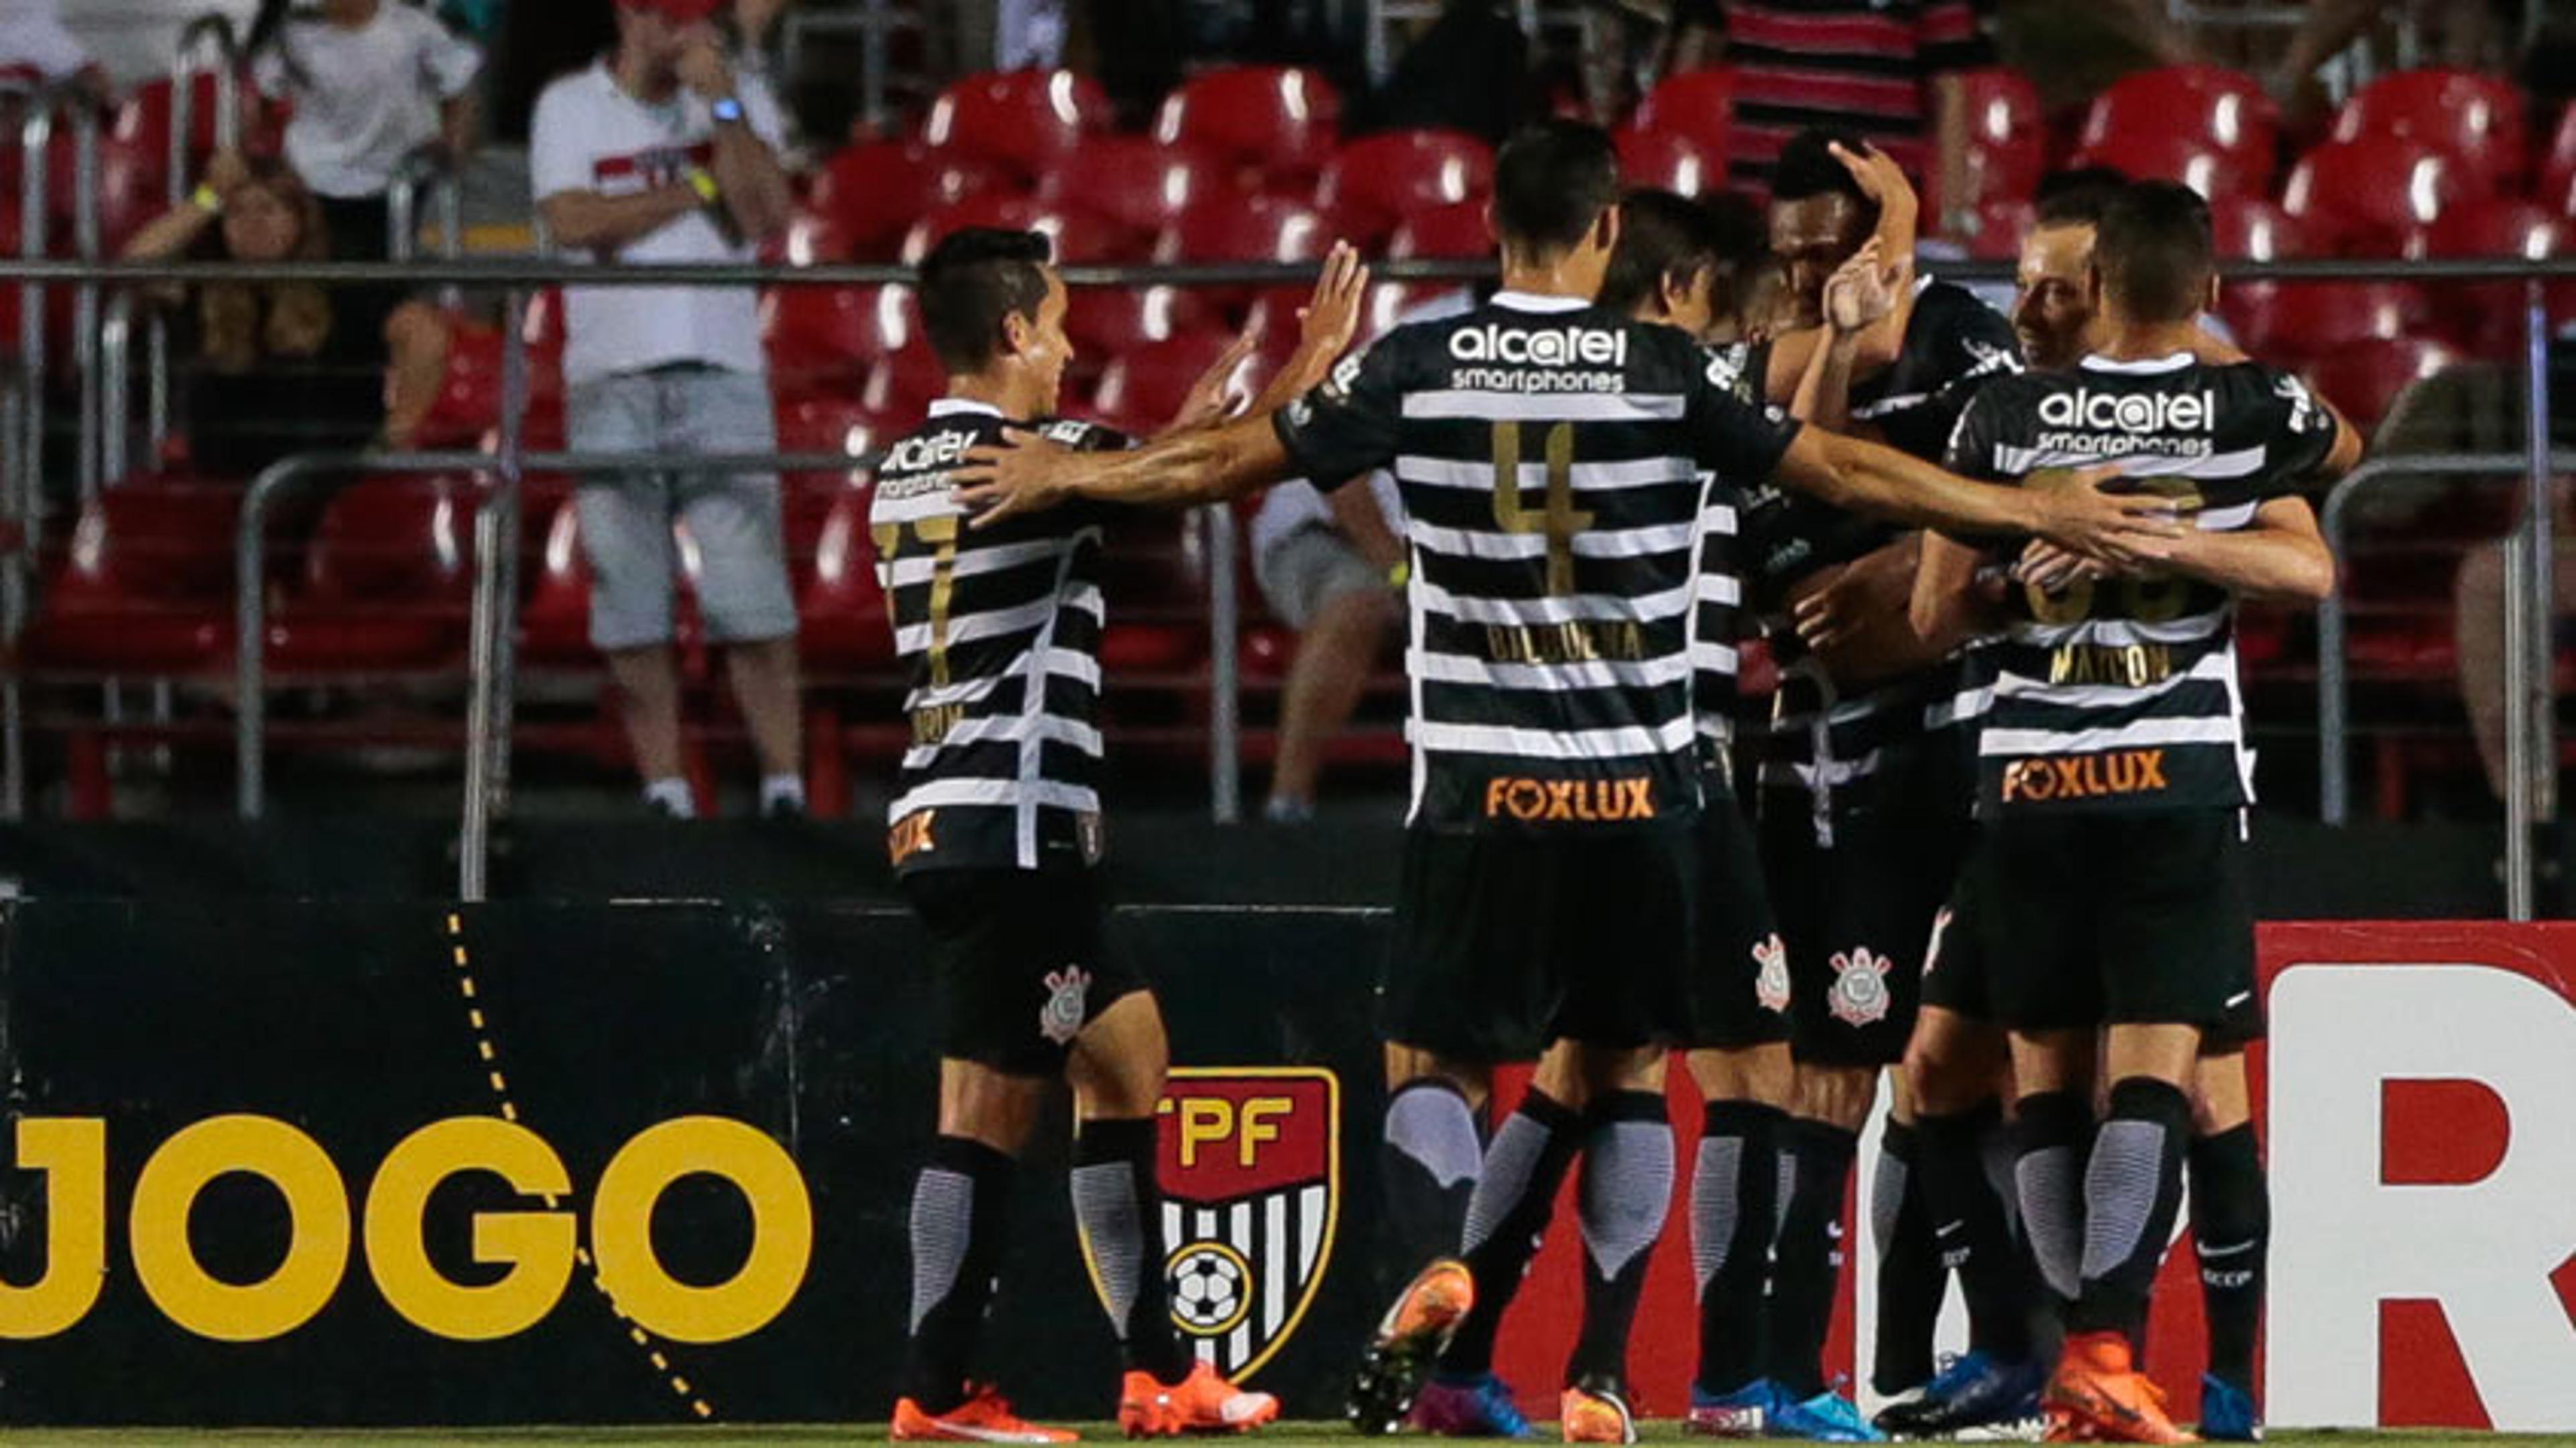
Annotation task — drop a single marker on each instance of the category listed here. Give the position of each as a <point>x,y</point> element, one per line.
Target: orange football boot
<point>985,1417</point>
<point>1596,1412</point>
<point>2099,1396</point>
<point>1203,1402</point>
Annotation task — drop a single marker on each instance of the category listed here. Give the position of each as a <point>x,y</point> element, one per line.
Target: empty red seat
<point>1027,120</point>
<point>147,586</point>
<point>830,425</point>
<point>2306,320</point>
<point>1141,390</point>
<point>1135,181</point>
<point>2557,188</point>
<point>1107,322</point>
<point>2225,109</point>
<point>2371,196</point>
<point>824,339</point>
<point>1696,106</point>
<point>2488,317</point>
<point>1458,231</point>
<point>1281,121</point>
<point>841,610</point>
<point>145,118</point>
<point>2176,156</point>
<point>387,581</point>
<point>2366,381</point>
<point>873,192</point>
<point>2001,225</point>
<point>1669,161</point>
<point>2007,140</point>
<point>1379,181</point>
<point>1078,236</point>
<point>2476,120</point>
<point>903,383</point>
<point>1255,229</point>
<point>468,410</point>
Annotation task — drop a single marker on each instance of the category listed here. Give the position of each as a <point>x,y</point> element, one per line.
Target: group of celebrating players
<point>1996,849</point>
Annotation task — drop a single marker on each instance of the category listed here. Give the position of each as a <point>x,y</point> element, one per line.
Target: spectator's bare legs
<point>416,368</point>
<point>765,684</point>
<point>1334,657</point>
<point>2477,624</point>
<point>649,679</point>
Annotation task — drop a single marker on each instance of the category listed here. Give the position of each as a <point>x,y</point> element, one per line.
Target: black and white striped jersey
<point>1837,750</point>
<point>1553,459</point>
<point>1000,630</point>
<point>1720,628</point>
<point>2122,694</point>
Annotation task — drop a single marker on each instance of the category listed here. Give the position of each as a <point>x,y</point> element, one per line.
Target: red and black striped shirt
<point>1860,65</point>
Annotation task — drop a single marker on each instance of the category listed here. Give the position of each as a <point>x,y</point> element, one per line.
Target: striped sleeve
<point>1346,428</point>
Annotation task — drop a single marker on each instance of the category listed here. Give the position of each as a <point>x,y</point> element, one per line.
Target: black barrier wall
<point>702,1074</point>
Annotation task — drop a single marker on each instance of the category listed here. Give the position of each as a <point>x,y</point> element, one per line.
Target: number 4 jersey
<point>1554,460</point>
<point>1000,631</point>
<point>2121,694</point>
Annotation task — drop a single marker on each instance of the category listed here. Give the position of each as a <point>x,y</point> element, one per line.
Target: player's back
<point>2122,693</point>
<point>1553,458</point>
<point>999,630</point>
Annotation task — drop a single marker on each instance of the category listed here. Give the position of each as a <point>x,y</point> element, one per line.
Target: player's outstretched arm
<point>1029,474</point>
<point>2279,558</point>
<point>1867,478</point>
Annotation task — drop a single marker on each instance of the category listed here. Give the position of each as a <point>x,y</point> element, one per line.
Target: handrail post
<point>2334,718</point>
<point>13,604</point>
<point>116,387</point>
<point>250,623</point>
<point>35,144</point>
<point>488,716</point>
<point>2519,873</point>
<point>88,242</point>
<point>2532,669</point>
<point>1225,672</point>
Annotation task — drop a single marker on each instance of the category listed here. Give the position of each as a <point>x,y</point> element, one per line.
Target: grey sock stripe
<point>2120,1187</point>
<point>943,1221</point>
<point>1112,1225</point>
<point>1785,1182</point>
<point>1886,1199</point>
<point>1627,1190</point>
<point>1505,1179</point>
<point>1436,1129</point>
<point>1714,1185</point>
<point>2049,1201</point>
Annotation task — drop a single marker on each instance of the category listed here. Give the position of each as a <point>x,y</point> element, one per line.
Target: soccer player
<point>2112,909</point>
<point>995,829</point>
<point>1864,806</point>
<point>1550,456</point>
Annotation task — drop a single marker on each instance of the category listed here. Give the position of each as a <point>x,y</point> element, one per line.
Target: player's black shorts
<point>1017,963</point>
<point>1742,983</point>
<point>2117,918</point>
<point>1857,916</point>
<point>1505,942</point>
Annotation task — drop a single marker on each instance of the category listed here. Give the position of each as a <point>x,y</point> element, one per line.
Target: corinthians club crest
<point>1252,1192</point>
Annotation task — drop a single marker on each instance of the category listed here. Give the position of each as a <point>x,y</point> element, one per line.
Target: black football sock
<point>1623,1196</point>
<point>1431,1157</point>
<point>960,1221</point>
<point>1974,1230</point>
<point>1515,1195</point>
<point>2132,1191</point>
<point>1735,1212</point>
<point>2231,1228</point>
<point>1118,1207</point>
<point>2051,1132</point>
<point>1808,1262</point>
<point>1911,1277</point>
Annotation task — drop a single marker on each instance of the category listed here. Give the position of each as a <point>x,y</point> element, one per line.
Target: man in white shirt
<point>661,154</point>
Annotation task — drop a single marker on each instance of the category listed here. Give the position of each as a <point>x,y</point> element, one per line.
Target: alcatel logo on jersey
<point>2090,776</point>
<point>1557,801</point>
<point>930,450</point>
<point>1548,347</point>
<point>2130,411</point>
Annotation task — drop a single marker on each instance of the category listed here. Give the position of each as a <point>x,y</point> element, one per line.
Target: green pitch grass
<point>1286,1435</point>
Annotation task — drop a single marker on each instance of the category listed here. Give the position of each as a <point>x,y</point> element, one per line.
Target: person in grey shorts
<point>1330,569</point>
<point>662,153</point>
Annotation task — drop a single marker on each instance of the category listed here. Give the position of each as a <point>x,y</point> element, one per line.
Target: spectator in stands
<point>1332,569</point>
<point>372,81</point>
<point>662,153</point>
<point>34,46</point>
<point>280,368</point>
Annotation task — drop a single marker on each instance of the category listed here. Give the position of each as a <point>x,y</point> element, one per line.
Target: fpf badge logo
<point>1252,1195</point>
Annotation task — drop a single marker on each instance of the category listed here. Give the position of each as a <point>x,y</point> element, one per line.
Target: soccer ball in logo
<point>1211,1289</point>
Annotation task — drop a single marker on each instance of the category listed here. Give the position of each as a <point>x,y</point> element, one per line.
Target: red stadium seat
<point>1135,181</point>
<point>1027,120</point>
<point>2476,120</point>
<point>144,120</point>
<point>1669,161</point>
<point>1107,322</point>
<point>554,622</point>
<point>2307,320</point>
<point>2007,140</point>
<point>2557,187</point>
<point>2226,110</point>
<point>1378,182</point>
<point>2488,317</point>
<point>147,586</point>
<point>1280,121</point>
<point>2174,156</point>
<point>2371,197</point>
<point>1142,389</point>
<point>843,627</point>
<point>2002,223</point>
<point>1697,106</point>
<point>829,425</point>
<point>903,383</point>
<point>1256,229</point>
<point>873,192</point>
<point>388,580</point>
<point>1079,236</point>
<point>468,408</point>
<point>2365,382</point>
<point>823,339</point>
<point>1458,231</point>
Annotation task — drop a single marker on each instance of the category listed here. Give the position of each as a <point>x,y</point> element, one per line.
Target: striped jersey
<point>1742,369</point>
<point>2121,694</point>
<point>1860,752</point>
<point>1553,459</point>
<point>1859,65</point>
<point>999,629</point>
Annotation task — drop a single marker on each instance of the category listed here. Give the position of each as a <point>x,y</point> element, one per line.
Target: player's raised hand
<point>1025,473</point>
<point>1879,177</point>
<point>1862,291</point>
<point>1214,396</point>
<point>1331,317</point>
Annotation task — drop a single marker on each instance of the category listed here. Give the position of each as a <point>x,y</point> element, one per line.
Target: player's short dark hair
<point>2076,195</point>
<point>1552,181</point>
<point>970,282</point>
<point>1744,255</point>
<point>1807,168</point>
<point>1661,237</point>
<point>2154,250</point>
